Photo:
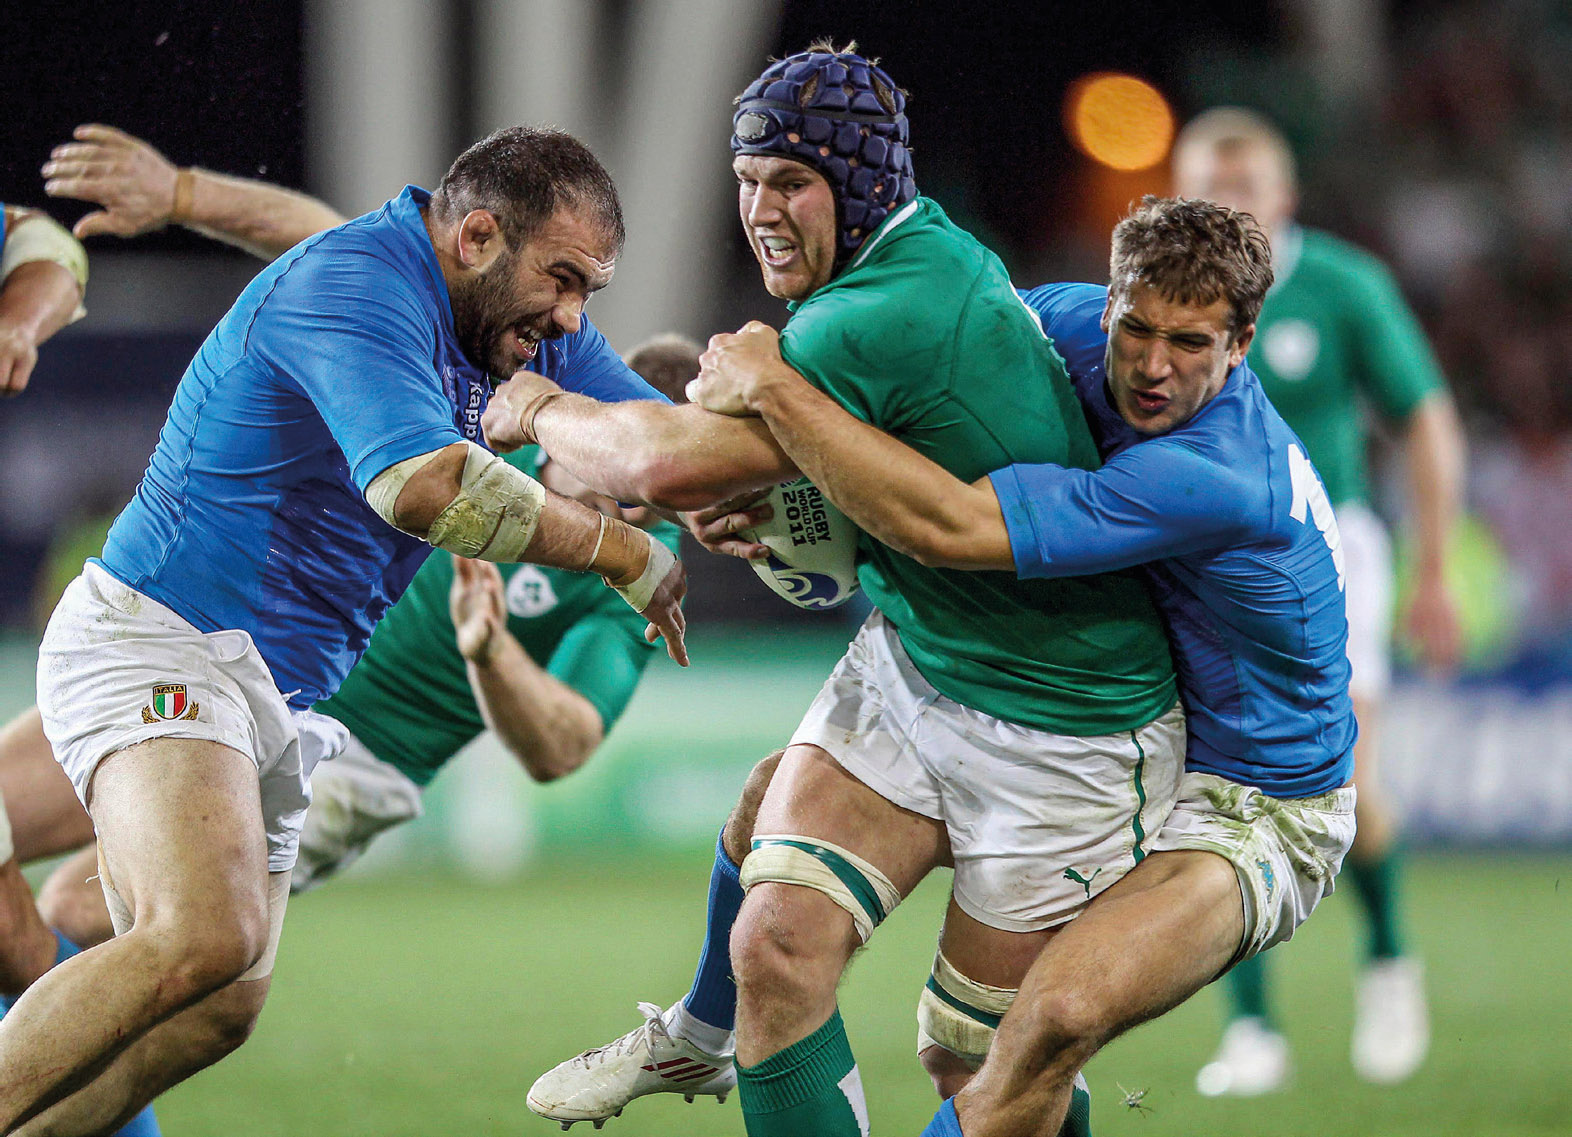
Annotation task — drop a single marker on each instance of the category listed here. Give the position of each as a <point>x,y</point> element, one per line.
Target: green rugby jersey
<point>1335,336</point>
<point>409,699</point>
<point>923,336</point>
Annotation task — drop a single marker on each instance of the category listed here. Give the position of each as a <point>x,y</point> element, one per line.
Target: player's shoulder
<point>916,280</point>
<point>1327,254</point>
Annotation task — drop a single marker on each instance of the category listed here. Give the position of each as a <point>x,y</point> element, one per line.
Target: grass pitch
<point>426,1006</point>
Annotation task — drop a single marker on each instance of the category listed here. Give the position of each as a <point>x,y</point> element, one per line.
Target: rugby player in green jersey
<point>1335,340</point>
<point>1026,730</point>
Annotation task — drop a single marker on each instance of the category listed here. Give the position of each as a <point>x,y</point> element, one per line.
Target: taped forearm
<point>33,237</point>
<point>493,516</point>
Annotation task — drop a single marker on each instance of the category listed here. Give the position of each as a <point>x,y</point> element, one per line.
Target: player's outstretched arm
<point>468,501</point>
<point>139,190</point>
<point>1436,453</point>
<point>549,727</point>
<point>893,493</point>
<point>43,270</point>
<point>680,458</point>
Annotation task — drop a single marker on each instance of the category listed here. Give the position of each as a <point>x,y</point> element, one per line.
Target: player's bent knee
<point>850,882</point>
<point>948,1073</point>
<point>957,1018</point>
<point>223,1021</point>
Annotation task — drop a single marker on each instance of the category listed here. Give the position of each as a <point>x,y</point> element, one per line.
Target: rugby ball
<point>813,547</point>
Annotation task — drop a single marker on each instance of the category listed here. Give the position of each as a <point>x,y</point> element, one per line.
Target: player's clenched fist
<point>18,355</point>
<point>509,419</point>
<point>132,181</point>
<point>736,369</point>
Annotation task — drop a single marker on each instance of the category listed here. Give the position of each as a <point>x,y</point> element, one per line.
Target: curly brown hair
<point>1194,252</point>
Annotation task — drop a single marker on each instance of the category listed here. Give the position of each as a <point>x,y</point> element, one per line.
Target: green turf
<point>423,1006</point>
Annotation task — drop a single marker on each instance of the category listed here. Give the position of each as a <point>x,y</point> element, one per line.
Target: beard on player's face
<point>498,329</point>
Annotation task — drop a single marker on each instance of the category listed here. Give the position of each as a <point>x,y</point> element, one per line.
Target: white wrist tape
<point>493,516</point>
<point>641,591</point>
<point>33,237</point>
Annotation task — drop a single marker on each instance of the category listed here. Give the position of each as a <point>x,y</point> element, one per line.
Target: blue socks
<point>944,1123</point>
<point>143,1124</point>
<point>713,998</point>
<point>1077,1123</point>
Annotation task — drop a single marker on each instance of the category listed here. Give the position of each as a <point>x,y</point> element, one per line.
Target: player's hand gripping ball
<point>813,547</point>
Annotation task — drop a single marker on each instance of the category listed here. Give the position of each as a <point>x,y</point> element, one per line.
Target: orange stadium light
<point>1118,120</point>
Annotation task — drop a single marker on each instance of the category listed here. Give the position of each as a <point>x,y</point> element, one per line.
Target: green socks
<point>1246,984</point>
<point>1376,883</point>
<point>810,1089</point>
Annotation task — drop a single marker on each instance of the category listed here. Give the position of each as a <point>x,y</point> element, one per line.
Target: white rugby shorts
<point>1367,553</point>
<point>1286,851</point>
<point>117,668</point>
<point>353,798</point>
<point>1039,823</point>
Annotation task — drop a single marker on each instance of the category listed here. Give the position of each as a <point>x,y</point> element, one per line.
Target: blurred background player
<point>1335,342</point>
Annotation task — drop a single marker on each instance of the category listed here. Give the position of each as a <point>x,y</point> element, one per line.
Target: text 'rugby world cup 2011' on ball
<point>813,547</point>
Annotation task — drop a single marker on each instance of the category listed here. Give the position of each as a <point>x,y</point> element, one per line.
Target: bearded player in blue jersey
<point>319,445</point>
<point>1205,485</point>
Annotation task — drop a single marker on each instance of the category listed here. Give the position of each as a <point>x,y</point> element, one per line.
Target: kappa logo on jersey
<point>1291,347</point>
<point>530,593</point>
<point>170,703</point>
<point>471,405</point>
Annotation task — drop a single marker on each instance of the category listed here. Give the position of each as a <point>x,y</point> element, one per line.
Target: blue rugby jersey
<point>1237,538</point>
<point>338,361</point>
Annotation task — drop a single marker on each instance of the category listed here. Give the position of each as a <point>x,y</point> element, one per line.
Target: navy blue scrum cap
<point>842,115</point>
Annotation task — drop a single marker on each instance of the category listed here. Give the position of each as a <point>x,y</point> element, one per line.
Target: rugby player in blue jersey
<point>320,443</point>
<point>1205,485</point>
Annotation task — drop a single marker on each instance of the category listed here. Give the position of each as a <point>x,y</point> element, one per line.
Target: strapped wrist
<point>531,410</point>
<point>622,552</point>
<point>185,192</point>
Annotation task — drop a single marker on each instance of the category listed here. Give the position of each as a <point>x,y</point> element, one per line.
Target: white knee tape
<point>862,890</point>
<point>119,910</point>
<point>7,846</point>
<point>277,902</point>
<point>960,1014</point>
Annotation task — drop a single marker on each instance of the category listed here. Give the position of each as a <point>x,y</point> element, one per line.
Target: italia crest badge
<point>170,703</point>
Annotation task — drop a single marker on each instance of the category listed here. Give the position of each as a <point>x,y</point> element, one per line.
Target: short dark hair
<point>1194,252</point>
<point>522,176</point>
<point>668,363</point>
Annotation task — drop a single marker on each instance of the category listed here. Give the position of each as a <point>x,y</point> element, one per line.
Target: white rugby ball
<point>813,558</point>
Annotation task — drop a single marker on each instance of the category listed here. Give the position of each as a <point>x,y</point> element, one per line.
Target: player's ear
<point>1106,323</point>
<point>480,239</point>
<point>1241,346</point>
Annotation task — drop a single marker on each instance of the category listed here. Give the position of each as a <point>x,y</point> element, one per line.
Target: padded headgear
<point>849,123</point>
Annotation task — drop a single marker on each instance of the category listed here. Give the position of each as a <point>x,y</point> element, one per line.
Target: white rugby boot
<point>647,1060</point>
<point>1251,1060</point>
<point>1391,1021</point>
